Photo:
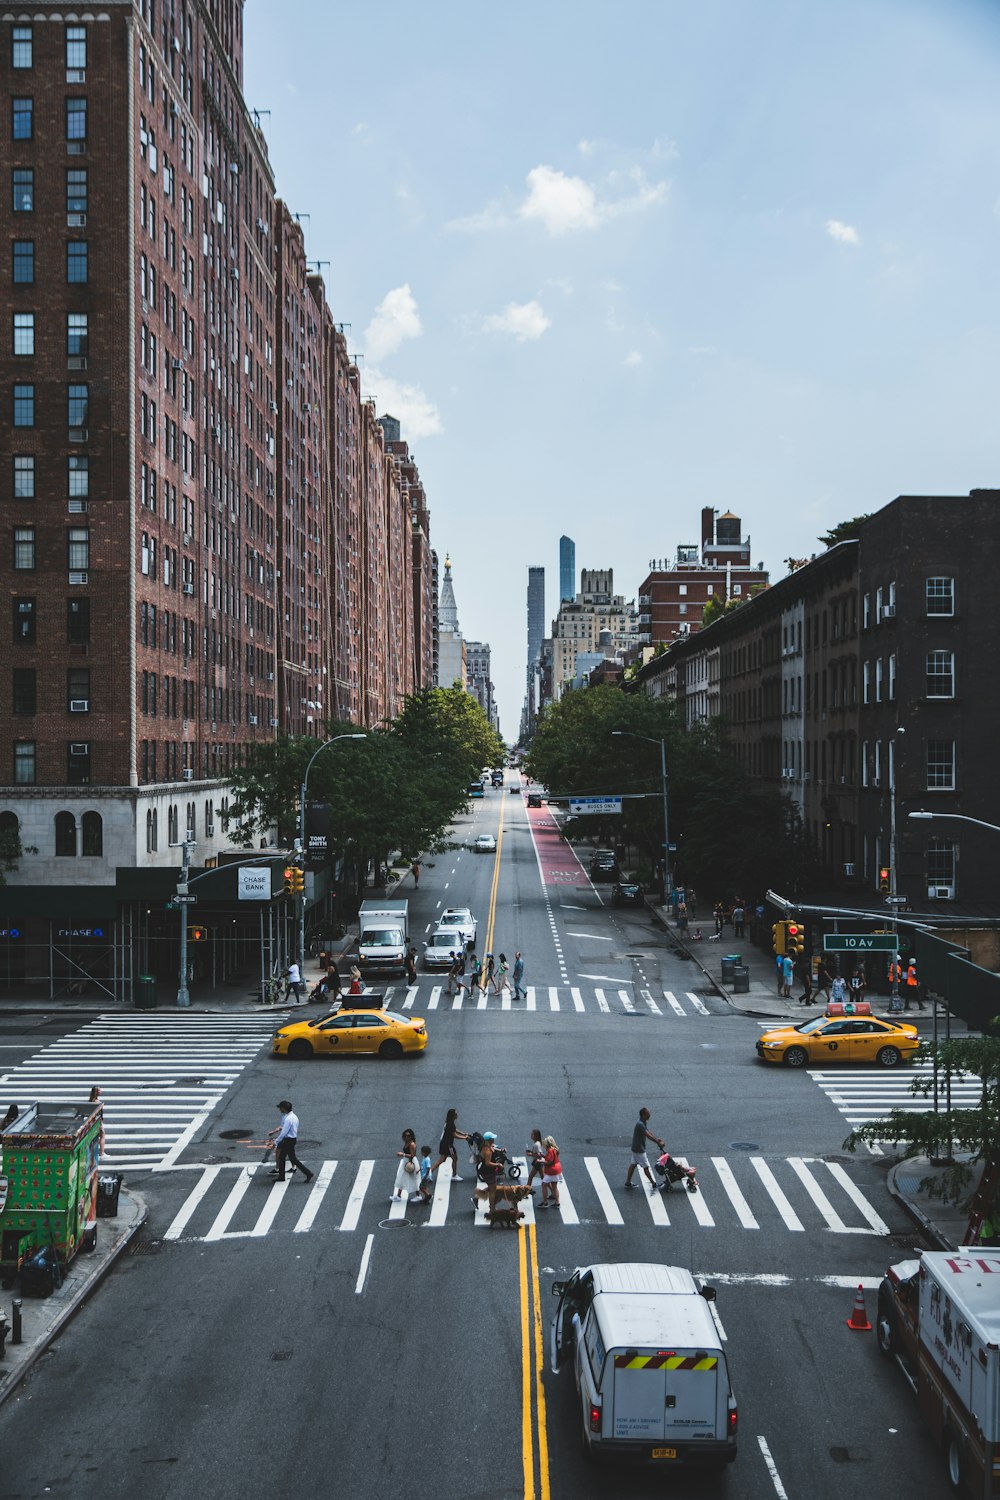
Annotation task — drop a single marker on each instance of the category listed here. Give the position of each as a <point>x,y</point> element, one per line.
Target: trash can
<point>109,1185</point>
<point>41,1273</point>
<point>145,992</point>
<point>741,979</point>
<point>729,963</point>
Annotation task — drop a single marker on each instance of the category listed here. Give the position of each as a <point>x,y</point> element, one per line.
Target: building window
<point>76,190</point>
<point>78,476</point>
<point>172,825</point>
<point>940,765</point>
<point>940,674</point>
<point>866,682</point>
<point>65,835</point>
<point>23,617</point>
<point>24,333</point>
<point>24,476</point>
<point>77,326</point>
<point>78,621</point>
<point>24,762</point>
<point>77,405</point>
<point>22,119</point>
<point>76,47</point>
<point>78,774</point>
<point>76,261</point>
<point>76,119</point>
<point>151,833</point>
<point>942,857</point>
<point>78,548</point>
<point>10,829</point>
<point>864,763</point>
<point>940,596</point>
<point>24,262</point>
<point>92,834</point>
<point>24,189</point>
<point>78,690</point>
<point>24,406</point>
<point>892,677</point>
<point>877,764</point>
<point>24,697</point>
<point>20,47</point>
<point>878,680</point>
<point>24,548</point>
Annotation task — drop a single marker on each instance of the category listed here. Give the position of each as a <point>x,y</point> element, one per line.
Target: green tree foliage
<point>397,789</point>
<point>845,531</point>
<point>937,1134</point>
<point>732,835</point>
<point>11,851</point>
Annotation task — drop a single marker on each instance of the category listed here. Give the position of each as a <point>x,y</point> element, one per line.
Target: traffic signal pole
<point>183,902</point>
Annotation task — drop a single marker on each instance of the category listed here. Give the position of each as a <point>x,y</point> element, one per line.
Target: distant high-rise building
<point>536,634</point>
<point>567,568</point>
<point>597,623</point>
<point>478,681</point>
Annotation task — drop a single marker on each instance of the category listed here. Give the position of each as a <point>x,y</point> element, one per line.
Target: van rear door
<point>691,1400</point>
<point>640,1390</point>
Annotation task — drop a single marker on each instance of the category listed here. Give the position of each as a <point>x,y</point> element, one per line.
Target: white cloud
<point>632,358</point>
<point>845,234</point>
<point>396,319</point>
<point>586,148</point>
<point>525,320</point>
<point>564,204</point>
<point>491,217</point>
<point>418,416</point>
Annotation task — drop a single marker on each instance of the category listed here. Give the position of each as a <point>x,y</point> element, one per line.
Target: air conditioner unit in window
<point>76,75</point>
<point>177,364</point>
<point>888,611</point>
<point>187,588</point>
<point>79,435</point>
<point>77,507</point>
<point>941,892</point>
<point>76,362</point>
<point>274,723</point>
<point>187,774</point>
<point>210,830</point>
<point>79,747</point>
<point>75,577</point>
<point>76,221</point>
<point>848,869</point>
<point>252,719</point>
<point>79,705</point>
<point>270,676</point>
<point>75,148</point>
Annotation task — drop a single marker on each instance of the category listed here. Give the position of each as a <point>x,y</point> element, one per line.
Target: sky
<point>612,262</point>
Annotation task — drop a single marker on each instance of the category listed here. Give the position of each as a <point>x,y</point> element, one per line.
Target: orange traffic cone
<point>859,1317</point>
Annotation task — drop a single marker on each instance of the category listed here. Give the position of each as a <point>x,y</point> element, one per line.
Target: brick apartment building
<point>206,542</point>
<point>856,684</point>
<point>672,599</point>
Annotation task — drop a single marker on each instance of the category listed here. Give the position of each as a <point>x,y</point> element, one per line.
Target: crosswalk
<point>609,999</point>
<point>863,1094</point>
<point>160,1077</point>
<point>800,1193</point>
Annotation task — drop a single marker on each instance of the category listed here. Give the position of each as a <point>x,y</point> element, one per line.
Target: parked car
<point>626,893</point>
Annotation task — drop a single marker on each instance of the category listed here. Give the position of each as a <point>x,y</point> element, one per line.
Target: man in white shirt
<point>294,985</point>
<point>285,1137</point>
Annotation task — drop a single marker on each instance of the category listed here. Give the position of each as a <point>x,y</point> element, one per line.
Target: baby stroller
<point>671,1171</point>
<point>508,1170</point>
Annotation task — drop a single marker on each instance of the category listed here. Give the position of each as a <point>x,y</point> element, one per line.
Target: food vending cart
<point>49,1156</point>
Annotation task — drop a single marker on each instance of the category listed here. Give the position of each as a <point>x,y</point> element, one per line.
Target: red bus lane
<point>557,863</point>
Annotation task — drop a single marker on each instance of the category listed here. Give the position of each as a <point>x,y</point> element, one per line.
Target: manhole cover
<point>744,1145</point>
<point>280,1355</point>
<point>235,1135</point>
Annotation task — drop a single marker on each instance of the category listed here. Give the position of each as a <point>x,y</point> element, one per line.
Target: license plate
<point>664,1452</point>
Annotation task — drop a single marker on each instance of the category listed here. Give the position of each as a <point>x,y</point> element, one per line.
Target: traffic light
<point>883,878</point>
<point>778,937</point>
<point>294,882</point>
<point>197,934</point>
<point>795,938</point>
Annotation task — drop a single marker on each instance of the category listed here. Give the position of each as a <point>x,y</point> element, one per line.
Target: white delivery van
<point>650,1364</point>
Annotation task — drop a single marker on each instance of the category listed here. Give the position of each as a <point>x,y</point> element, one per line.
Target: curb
<point>15,1376</point>
<point>716,986</point>
<point>916,1213</point>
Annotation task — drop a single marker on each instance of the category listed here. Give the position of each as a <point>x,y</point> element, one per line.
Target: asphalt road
<point>306,1343</point>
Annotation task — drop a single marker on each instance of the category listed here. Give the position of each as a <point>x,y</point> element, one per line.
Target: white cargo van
<point>650,1364</point>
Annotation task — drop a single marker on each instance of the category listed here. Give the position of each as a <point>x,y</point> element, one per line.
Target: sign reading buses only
<point>581,805</point>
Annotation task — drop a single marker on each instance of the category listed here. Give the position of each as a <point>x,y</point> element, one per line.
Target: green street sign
<point>859,942</point>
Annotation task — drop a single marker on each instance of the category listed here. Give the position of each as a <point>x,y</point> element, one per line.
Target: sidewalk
<point>44,1318</point>
<point>943,1223</point>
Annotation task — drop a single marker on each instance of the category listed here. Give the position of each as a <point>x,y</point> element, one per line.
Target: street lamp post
<point>184,900</point>
<point>628,734</point>
<point>957,817</point>
<point>302,832</point>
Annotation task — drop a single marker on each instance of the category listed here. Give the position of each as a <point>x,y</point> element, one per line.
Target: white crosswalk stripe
<point>797,1192</point>
<point>863,1094</point>
<point>160,1076</point>
<point>608,999</point>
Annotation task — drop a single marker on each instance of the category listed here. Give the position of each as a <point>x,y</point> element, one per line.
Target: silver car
<point>441,946</point>
<point>462,918</point>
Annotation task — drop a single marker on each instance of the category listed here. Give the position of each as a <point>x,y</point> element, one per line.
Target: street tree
<point>938,1134</point>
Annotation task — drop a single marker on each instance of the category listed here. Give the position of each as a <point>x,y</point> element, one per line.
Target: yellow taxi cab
<point>833,1039</point>
<point>382,1032</point>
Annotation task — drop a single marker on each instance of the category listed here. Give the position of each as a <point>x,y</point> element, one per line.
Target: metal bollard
<point>15,1307</point>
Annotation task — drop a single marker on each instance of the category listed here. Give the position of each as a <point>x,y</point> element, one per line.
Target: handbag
<point>410,1165</point>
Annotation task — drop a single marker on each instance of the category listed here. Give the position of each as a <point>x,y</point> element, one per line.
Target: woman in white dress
<point>408,1171</point>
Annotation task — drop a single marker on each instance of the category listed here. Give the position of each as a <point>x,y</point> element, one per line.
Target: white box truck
<point>383,932</point>
<point>649,1362</point>
<point>939,1317</point>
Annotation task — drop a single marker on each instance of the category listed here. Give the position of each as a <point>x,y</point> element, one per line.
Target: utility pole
<point>184,900</point>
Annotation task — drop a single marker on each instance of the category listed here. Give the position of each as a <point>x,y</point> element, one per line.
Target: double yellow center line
<point>534,1440</point>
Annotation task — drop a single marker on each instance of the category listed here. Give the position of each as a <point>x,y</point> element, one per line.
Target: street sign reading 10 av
<point>859,942</point>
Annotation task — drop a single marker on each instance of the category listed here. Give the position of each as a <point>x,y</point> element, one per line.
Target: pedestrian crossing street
<point>801,1193</point>
<point>160,1077</point>
<point>863,1094</point>
<point>609,999</point>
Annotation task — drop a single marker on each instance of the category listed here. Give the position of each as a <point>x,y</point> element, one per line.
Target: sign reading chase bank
<point>79,932</point>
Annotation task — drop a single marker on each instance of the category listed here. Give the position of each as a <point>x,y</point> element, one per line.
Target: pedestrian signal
<point>197,934</point>
<point>883,878</point>
<point>778,937</point>
<point>795,938</point>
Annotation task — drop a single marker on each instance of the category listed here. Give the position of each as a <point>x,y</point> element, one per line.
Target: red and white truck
<point>939,1317</point>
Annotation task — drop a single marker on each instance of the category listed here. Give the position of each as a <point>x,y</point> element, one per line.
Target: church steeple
<point>447,608</point>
